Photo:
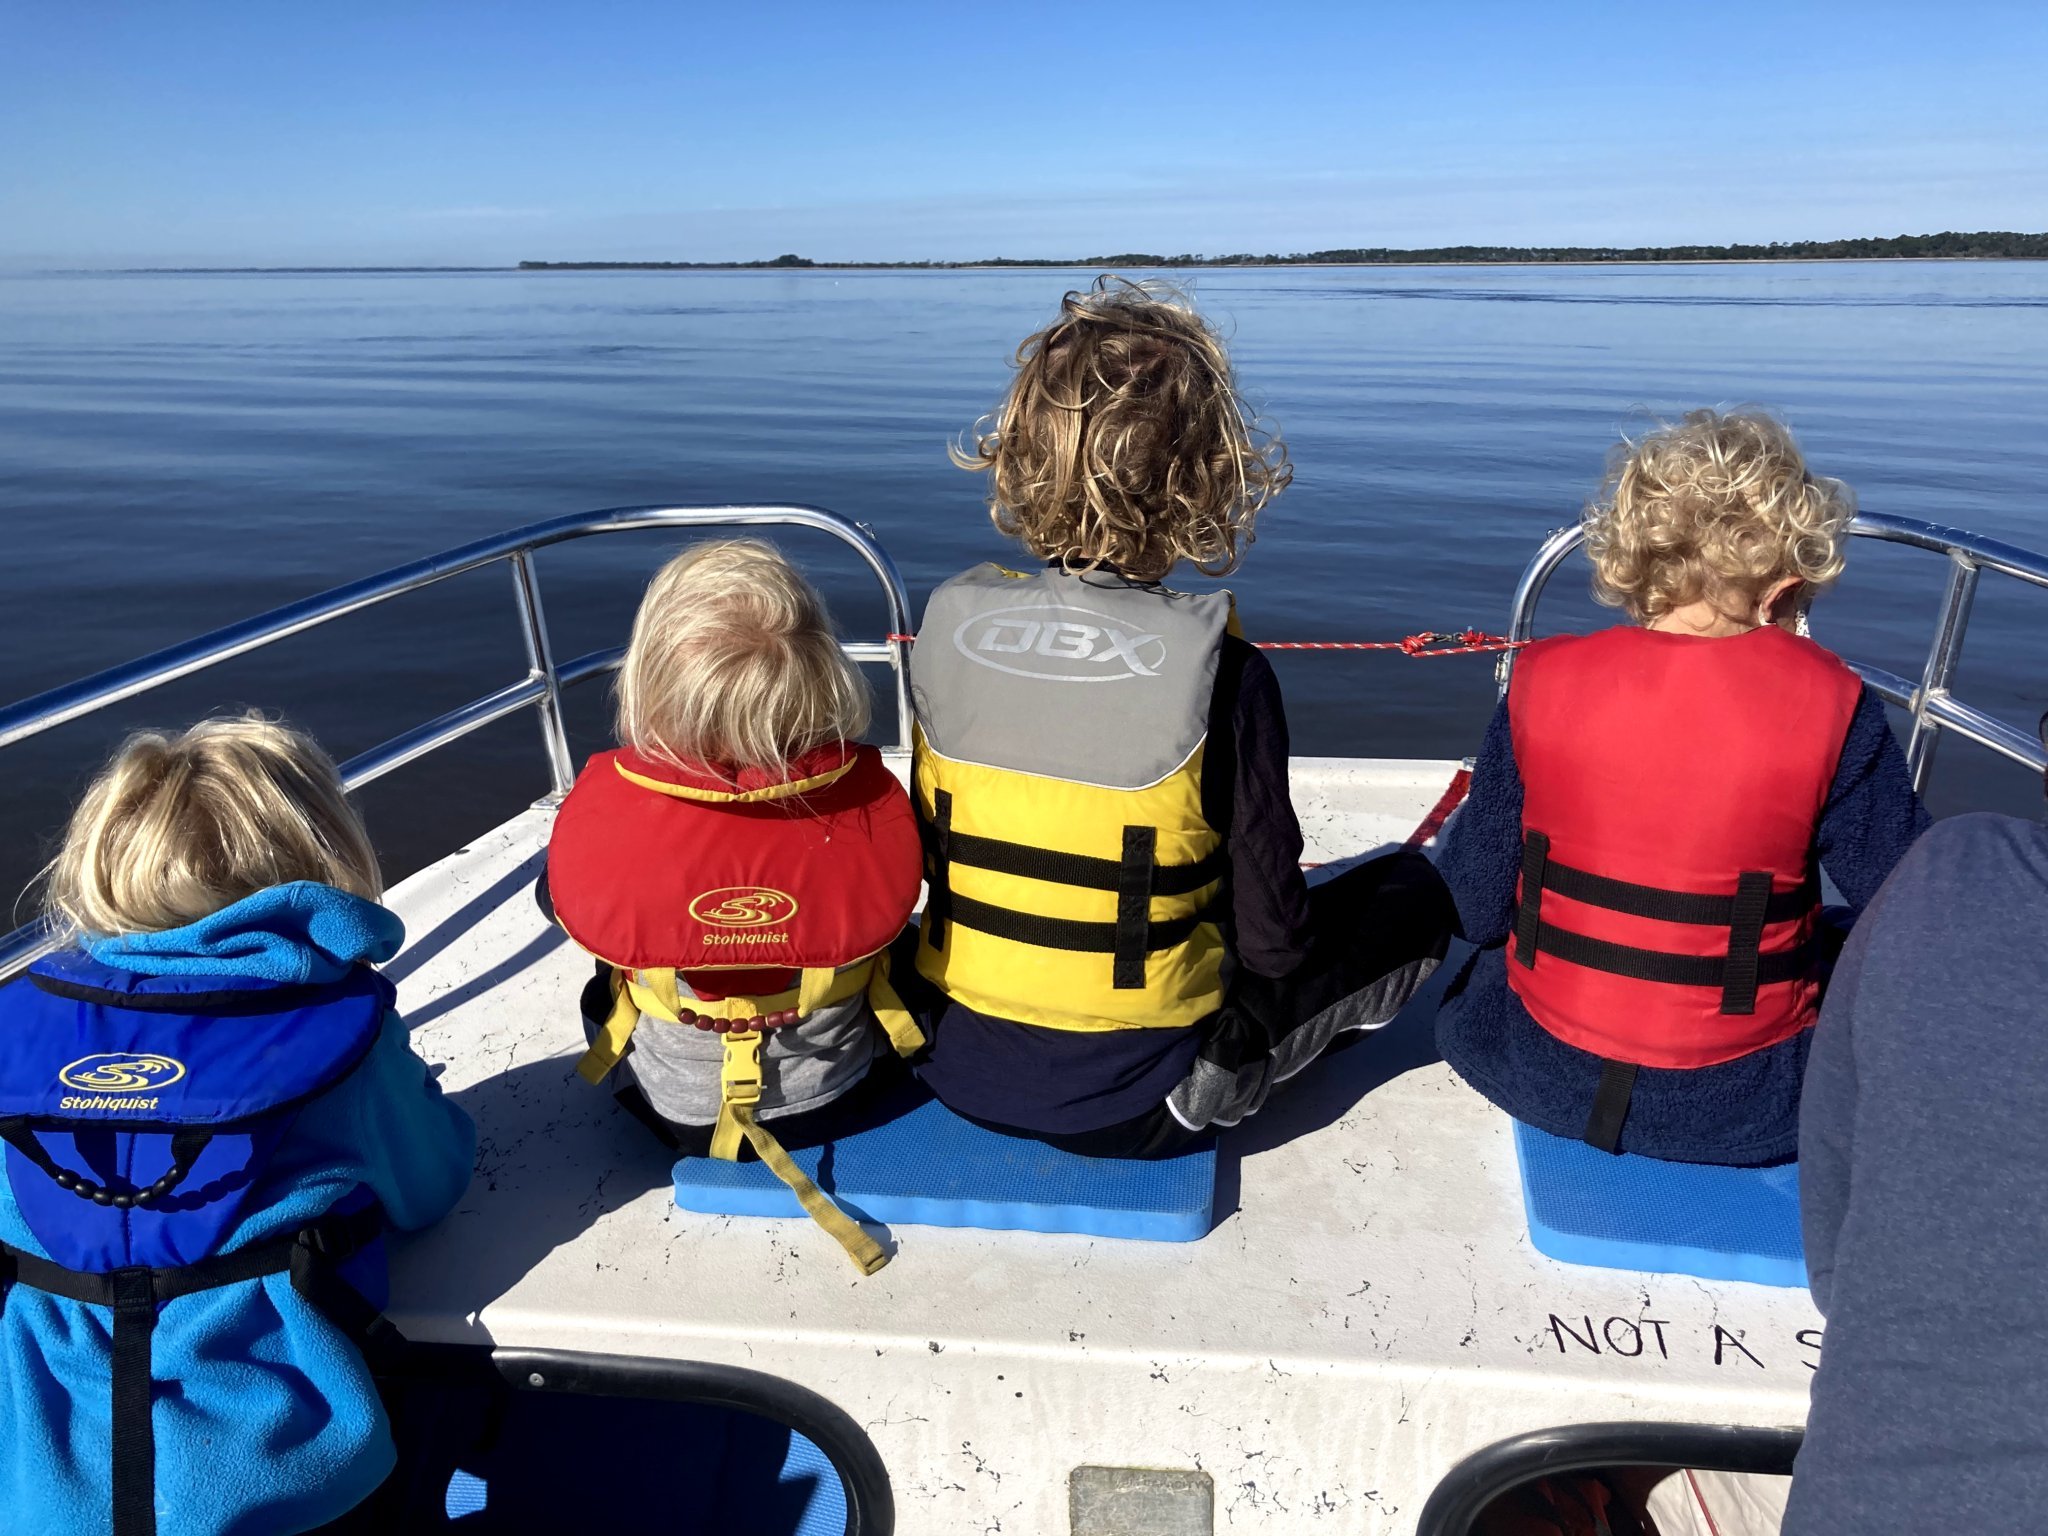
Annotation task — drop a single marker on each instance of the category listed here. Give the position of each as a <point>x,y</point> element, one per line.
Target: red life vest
<point>1671,788</point>
<point>737,884</point>
<point>771,896</point>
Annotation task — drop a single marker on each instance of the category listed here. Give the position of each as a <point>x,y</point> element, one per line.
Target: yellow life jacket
<point>1061,726</point>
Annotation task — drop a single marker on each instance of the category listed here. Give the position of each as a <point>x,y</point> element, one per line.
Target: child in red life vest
<point>1119,951</point>
<point>737,866</point>
<point>1639,859</point>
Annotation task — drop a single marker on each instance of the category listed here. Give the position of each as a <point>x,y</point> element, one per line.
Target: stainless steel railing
<point>541,688</point>
<point>1933,708</point>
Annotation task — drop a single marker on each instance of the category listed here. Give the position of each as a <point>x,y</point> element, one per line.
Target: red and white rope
<point>1462,642</point>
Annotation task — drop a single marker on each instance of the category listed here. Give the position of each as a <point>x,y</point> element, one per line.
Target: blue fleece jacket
<point>1744,1111</point>
<point>265,1416</point>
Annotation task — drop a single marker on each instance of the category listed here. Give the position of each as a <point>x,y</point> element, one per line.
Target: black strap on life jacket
<point>312,1256</point>
<point>1135,873</point>
<point>1135,878</point>
<point>1745,915</point>
<point>1610,1105</point>
<point>938,902</point>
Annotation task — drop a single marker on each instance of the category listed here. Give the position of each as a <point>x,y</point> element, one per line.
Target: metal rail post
<point>1943,657</point>
<point>1522,620</point>
<point>540,657</point>
<point>897,652</point>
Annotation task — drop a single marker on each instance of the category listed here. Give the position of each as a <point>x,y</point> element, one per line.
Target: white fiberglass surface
<point>1366,1310</point>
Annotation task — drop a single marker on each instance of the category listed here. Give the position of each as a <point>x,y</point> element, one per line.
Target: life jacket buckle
<point>740,1074</point>
<point>317,1243</point>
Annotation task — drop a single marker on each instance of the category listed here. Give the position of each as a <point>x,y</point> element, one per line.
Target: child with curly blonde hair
<point>1118,949</point>
<point>210,1110</point>
<point>1639,859</point>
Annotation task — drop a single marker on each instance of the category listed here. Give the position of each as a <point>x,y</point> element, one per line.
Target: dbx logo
<point>1059,645</point>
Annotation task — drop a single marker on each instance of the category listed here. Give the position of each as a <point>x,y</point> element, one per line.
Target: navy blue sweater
<point>1923,1142</point>
<point>1743,1111</point>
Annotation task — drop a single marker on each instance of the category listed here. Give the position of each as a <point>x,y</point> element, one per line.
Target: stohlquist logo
<point>113,1079</point>
<point>1058,644</point>
<point>743,906</point>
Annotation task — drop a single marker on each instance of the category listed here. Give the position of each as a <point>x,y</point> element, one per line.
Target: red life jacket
<point>1671,788</point>
<point>736,884</point>
<point>771,896</point>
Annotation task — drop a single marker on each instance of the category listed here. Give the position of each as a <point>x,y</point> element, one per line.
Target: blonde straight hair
<point>177,827</point>
<point>733,664</point>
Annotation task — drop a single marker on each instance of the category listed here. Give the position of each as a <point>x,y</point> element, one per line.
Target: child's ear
<point>1780,602</point>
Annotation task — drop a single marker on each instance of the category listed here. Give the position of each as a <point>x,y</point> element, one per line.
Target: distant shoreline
<point>1981,245</point>
<point>541,268</point>
<point>1135,266</point>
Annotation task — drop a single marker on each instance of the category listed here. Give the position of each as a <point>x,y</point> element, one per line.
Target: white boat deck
<point>1366,1312</point>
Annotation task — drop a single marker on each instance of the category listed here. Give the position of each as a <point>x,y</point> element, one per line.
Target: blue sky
<point>453,131</point>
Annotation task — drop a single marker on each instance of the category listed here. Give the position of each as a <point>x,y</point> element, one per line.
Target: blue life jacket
<point>137,1112</point>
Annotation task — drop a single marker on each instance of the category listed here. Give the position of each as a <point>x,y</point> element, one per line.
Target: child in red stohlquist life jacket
<point>210,1112</point>
<point>737,868</point>
<point>1639,859</point>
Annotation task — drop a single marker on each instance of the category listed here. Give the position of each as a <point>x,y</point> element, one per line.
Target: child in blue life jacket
<point>737,867</point>
<point>1119,952</point>
<point>209,1112</point>
<point>1639,859</point>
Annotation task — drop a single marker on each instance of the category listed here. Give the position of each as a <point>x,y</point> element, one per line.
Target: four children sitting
<point>1118,951</point>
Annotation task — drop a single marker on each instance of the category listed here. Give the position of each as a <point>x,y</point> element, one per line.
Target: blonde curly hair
<point>1716,507</point>
<point>1122,441</point>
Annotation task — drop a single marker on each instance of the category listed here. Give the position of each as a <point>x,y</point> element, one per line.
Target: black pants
<point>1366,924</point>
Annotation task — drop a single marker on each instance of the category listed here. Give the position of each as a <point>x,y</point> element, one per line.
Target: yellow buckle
<point>739,1075</point>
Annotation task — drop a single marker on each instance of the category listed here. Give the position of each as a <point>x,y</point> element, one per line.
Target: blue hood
<point>290,934</point>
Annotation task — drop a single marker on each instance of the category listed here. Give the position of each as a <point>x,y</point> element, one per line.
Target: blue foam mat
<point>931,1168</point>
<point>1590,1207</point>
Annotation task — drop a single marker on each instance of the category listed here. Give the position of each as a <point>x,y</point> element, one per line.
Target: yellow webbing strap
<point>739,1089</point>
<point>611,1041</point>
<point>896,1020</point>
<point>815,987</point>
<point>740,1084</point>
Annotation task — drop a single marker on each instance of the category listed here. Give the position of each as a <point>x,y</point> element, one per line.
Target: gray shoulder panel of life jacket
<point>1083,677</point>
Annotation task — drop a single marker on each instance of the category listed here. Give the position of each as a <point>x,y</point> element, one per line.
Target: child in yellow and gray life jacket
<point>736,866</point>
<point>1119,951</point>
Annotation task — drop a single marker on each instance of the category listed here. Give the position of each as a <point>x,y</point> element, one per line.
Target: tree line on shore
<point>1980,245</point>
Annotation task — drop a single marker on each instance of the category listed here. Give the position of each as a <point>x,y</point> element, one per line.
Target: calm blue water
<point>177,452</point>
